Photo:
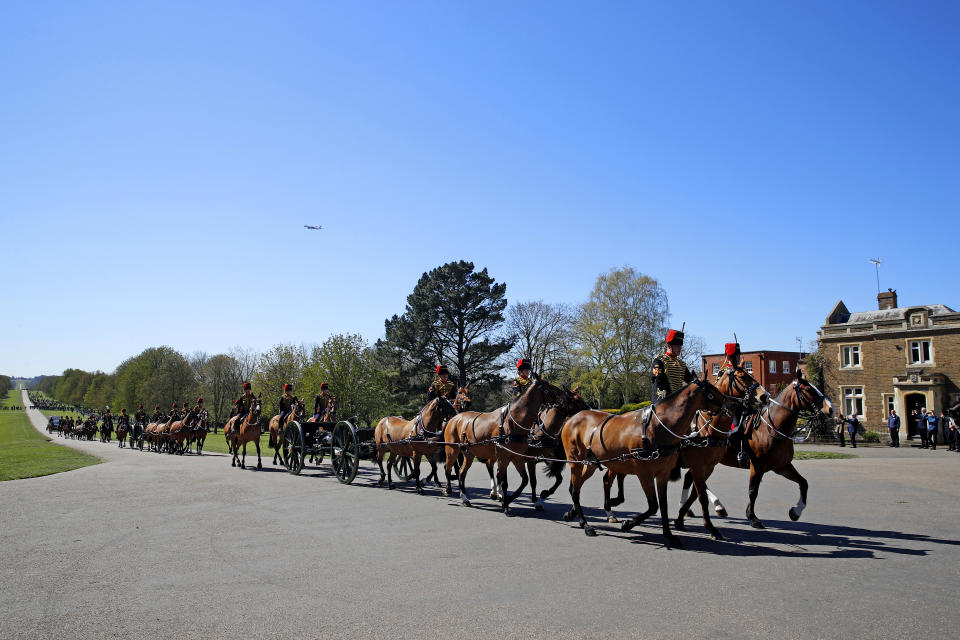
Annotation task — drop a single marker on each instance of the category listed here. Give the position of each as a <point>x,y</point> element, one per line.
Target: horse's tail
<point>439,455</point>
<point>555,467</point>
<point>676,471</point>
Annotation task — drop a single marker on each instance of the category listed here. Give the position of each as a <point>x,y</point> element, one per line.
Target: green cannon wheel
<point>345,451</point>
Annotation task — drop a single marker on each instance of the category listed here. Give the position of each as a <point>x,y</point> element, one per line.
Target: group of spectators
<point>927,424</point>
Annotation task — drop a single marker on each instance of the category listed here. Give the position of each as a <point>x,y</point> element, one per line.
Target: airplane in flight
<point>314,227</point>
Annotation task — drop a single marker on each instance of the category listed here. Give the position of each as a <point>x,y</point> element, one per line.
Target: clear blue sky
<point>158,161</point>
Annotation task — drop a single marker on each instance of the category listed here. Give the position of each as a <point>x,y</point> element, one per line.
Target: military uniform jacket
<point>320,403</point>
<point>156,417</point>
<point>141,416</point>
<point>246,402</point>
<point>286,403</point>
<point>519,386</point>
<point>441,389</point>
<point>673,375</point>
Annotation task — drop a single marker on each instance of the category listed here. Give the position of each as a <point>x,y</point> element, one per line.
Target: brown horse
<point>160,435</point>
<point>594,437</point>
<point>546,443</point>
<point>198,434</point>
<point>276,430</point>
<point>412,439</point>
<point>123,427</point>
<point>770,440</point>
<point>248,431</point>
<point>462,402</point>
<point>500,435</point>
<point>179,433</point>
<point>702,454</point>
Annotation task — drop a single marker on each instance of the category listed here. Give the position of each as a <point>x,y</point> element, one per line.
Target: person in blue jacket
<point>893,424</point>
<point>932,429</point>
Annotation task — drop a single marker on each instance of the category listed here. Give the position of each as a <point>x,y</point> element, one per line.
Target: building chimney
<point>887,300</point>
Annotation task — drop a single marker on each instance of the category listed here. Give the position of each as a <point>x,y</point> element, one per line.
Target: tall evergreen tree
<point>454,316</point>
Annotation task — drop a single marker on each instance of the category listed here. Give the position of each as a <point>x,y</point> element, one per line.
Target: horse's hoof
<point>233,464</point>
<point>507,512</point>
<point>465,503</point>
<point>673,541</point>
<point>616,502</point>
<point>537,506</point>
<point>568,516</point>
<point>679,525</point>
<point>590,531</point>
<point>259,466</point>
<point>717,536</point>
<point>756,524</point>
<point>380,484</point>
<point>613,519</point>
<point>793,514</point>
<point>494,496</point>
<point>627,525</point>
<point>721,512</point>
<point>544,494</point>
<point>444,493</point>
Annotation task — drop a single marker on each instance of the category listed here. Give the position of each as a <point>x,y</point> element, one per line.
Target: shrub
<point>627,408</point>
<point>871,436</point>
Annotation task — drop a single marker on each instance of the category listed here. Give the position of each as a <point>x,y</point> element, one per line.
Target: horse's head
<point>463,401</point>
<point>255,409</point>
<point>438,411</point>
<point>707,397</point>
<point>546,392</point>
<point>573,402</point>
<point>806,397</point>
<point>737,382</point>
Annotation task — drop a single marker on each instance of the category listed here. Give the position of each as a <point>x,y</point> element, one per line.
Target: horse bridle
<point>804,403</point>
<point>433,434</point>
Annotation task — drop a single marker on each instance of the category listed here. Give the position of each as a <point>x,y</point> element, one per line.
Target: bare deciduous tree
<point>541,332</point>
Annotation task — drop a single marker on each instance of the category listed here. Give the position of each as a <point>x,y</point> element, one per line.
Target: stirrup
<point>743,459</point>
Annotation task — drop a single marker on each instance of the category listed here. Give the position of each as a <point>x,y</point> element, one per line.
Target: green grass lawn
<point>821,455</point>
<point>25,453</point>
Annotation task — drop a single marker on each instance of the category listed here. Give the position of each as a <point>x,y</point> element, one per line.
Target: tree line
<point>455,315</point>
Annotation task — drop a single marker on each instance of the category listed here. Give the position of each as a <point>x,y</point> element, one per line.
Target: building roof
<point>840,314</point>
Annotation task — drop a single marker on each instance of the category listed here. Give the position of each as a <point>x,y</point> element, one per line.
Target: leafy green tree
<point>277,366</point>
<point>220,385</point>
<point>620,330</point>
<point>350,367</point>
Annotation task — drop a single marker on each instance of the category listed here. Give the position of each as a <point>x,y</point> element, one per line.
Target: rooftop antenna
<point>876,264</point>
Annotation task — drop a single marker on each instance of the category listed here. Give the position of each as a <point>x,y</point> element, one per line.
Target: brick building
<point>769,368</point>
<point>902,358</point>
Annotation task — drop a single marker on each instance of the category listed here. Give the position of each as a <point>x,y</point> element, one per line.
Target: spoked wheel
<point>402,468</point>
<point>345,452</point>
<point>293,450</point>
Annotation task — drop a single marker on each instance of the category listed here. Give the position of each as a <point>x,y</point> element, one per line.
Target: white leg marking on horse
<point>684,495</point>
<point>715,501</point>
<point>801,505</point>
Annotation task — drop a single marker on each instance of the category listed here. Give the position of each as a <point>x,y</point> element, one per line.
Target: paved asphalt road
<point>158,546</point>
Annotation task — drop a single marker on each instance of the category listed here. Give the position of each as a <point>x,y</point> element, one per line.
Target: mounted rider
<point>287,402</point>
<point>441,387</point>
<point>123,418</point>
<point>668,371</point>
<point>323,404</point>
<point>141,415</point>
<point>737,435</point>
<point>523,379</point>
<point>244,404</point>
<point>157,414</point>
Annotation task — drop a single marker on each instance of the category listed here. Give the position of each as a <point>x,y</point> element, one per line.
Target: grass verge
<point>25,453</point>
<point>821,455</point>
